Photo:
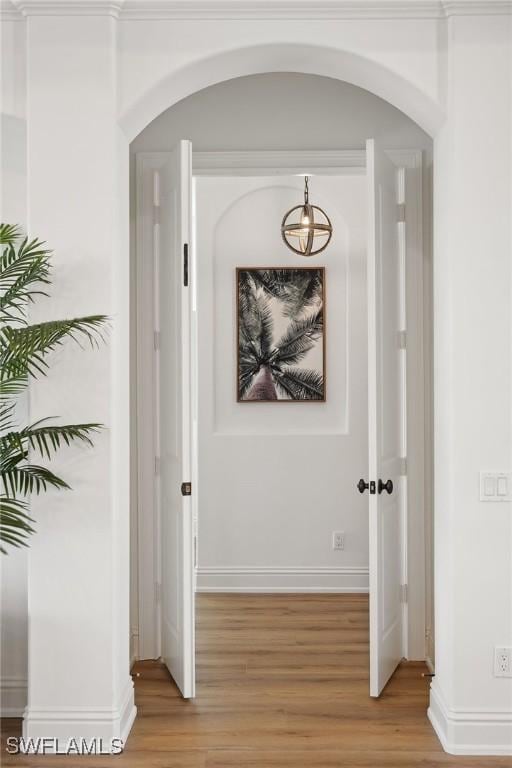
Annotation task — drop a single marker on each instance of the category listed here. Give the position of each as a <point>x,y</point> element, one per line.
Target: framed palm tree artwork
<point>280,334</point>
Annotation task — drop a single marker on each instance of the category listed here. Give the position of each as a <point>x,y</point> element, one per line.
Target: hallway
<point>282,682</point>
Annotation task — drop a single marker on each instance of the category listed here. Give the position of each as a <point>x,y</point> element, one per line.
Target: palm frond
<point>298,339</point>
<point>21,270</point>
<point>28,478</point>
<point>248,367</point>
<point>300,383</point>
<point>49,438</point>
<point>256,326</point>
<point>22,350</point>
<point>270,281</point>
<point>12,385</point>
<point>9,233</point>
<point>15,523</point>
<point>6,415</point>
<point>24,273</point>
<point>304,291</point>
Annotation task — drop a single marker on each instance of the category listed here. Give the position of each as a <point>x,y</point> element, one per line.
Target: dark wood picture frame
<point>242,394</point>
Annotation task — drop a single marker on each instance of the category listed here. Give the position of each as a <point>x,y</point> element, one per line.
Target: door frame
<point>416,243</point>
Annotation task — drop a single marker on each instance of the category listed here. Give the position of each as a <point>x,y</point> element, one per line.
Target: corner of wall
<point>469,732</point>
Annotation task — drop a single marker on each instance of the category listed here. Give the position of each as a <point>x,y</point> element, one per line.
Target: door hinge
<point>402,339</point>
<point>403,593</point>
<point>156,340</point>
<point>157,465</point>
<point>400,212</point>
<point>403,466</point>
<point>185,265</point>
<point>186,489</point>
<point>158,592</point>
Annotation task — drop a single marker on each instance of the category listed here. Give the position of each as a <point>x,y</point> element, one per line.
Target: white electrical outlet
<point>502,661</point>
<point>338,539</point>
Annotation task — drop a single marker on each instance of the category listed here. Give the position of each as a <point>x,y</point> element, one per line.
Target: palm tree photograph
<point>281,334</point>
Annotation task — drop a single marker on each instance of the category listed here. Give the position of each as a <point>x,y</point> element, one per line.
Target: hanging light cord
<point>306,190</point>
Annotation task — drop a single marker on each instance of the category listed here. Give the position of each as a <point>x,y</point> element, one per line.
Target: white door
<point>174,417</point>
<point>385,366</point>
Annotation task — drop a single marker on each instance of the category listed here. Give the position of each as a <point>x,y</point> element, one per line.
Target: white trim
<point>91,722</point>
<point>67,8</point>
<point>134,645</point>
<point>148,561</point>
<point>256,10</point>
<point>476,8</point>
<point>13,696</point>
<point>283,579</point>
<point>470,731</point>
<point>273,589</point>
<point>233,163</point>
<point>293,579</point>
<point>416,434</point>
<point>329,162</point>
<point>278,162</point>
<point>8,12</point>
<point>258,570</point>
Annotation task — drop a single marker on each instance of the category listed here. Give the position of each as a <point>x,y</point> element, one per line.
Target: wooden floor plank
<point>282,683</point>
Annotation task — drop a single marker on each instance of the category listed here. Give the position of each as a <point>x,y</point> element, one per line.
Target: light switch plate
<point>495,486</point>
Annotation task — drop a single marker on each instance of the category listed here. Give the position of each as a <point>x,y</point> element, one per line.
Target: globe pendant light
<point>306,229</point>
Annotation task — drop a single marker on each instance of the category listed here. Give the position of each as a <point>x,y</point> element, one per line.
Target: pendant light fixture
<point>306,229</point>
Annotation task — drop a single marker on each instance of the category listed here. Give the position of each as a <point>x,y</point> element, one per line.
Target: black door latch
<point>362,486</point>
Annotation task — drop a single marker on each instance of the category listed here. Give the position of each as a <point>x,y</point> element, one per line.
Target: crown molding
<point>327,10</point>
<point>24,8</point>
<point>476,8</point>
<point>9,12</point>
<point>330,10</point>
<point>286,10</point>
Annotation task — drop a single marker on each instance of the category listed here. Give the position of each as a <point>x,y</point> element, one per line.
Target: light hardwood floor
<point>282,682</point>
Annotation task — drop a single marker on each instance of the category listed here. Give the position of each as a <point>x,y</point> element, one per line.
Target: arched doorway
<point>163,129</point>
<point>346,66</point>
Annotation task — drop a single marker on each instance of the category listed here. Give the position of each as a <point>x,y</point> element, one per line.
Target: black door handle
<point>362,486</point>
<point>388,486</point>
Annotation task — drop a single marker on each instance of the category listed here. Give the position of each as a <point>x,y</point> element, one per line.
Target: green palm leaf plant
<point>24,349</point>
<point>268,366</point>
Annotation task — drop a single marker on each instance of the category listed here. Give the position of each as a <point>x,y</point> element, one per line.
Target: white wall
<point>471,708</point>
<point>96,698</point>
<point>13,568</point>
<point>275,480</point>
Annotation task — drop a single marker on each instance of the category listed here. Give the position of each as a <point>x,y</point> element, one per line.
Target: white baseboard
<point>470,732</point>
<point>13,696</point>
<point>282,579</point>
<point>81,724</point>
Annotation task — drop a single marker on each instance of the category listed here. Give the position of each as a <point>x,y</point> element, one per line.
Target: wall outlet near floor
<point>338,539</point>
<point>502,661</point>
